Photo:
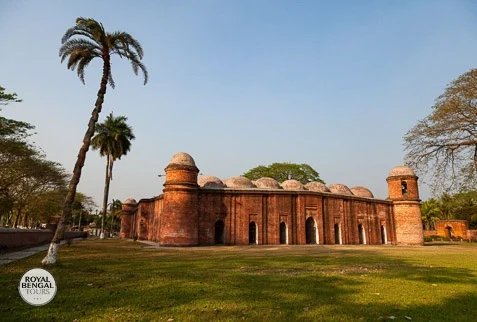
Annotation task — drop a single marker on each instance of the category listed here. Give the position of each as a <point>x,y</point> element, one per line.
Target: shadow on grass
<point>120,282</point>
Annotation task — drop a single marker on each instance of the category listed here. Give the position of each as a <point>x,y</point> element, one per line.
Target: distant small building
<point>453,229</point>
<point>237,211</point>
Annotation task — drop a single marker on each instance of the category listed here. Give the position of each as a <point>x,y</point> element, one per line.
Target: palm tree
<point>431,212</point>
<point>81,44</point>
<point>113,140</point>
<point>115,211</point>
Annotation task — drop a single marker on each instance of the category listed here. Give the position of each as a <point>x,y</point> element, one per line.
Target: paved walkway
<point>13,256</point>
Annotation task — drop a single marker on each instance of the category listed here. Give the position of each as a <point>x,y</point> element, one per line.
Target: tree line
<point>32,188</point>
<point>30,185</point>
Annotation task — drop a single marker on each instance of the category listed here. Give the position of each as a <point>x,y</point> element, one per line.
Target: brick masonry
<point>187,214</point>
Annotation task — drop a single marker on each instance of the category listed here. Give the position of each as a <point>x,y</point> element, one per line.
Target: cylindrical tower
<point>179,218</point>
<point>127,211</point>
<point>404,193</point>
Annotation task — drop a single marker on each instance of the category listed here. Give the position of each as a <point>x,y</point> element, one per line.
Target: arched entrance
<point>219,233</point>
<point>449,232</point>
<point>252,233</point>
<point>311,231</point>
<point>337,234</point>
<point>283,233</point>
<point>384,239</point>
<point>362,234</point>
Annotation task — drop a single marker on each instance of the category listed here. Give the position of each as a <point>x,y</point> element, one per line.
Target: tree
<point>431,212</point>
<point>81,44</point>
<point>113,140</point>
<point>115,211</point>
<point>445,142</point>
<point>7,98</point>
<point>284,171</point>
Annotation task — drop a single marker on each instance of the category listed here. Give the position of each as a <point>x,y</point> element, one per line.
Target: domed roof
<point>210,182</point>
<point>401,171</point>
<point>316,186</point>
<point>130,201</point>
<point>292,185</point>
<point>238,182</point>
<point>267,183</point>
<point>182,158</point>
<point>362,192</point>
<point>340,189</point>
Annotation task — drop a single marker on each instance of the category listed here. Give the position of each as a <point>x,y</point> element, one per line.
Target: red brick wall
<point>20,238</point>
<point>188,216</point>
<point>408,223</point>
<point>459,228</point>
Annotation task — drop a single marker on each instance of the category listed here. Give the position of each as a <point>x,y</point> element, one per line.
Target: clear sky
<point>236,84</point>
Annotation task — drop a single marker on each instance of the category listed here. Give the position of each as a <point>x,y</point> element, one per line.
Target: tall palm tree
<point>431,212</point>
<point>113,140</point>
<point>81,44</point>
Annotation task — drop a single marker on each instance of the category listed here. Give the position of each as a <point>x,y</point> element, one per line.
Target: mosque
<point>237,211</point>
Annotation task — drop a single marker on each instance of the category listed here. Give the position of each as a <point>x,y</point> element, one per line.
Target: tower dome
<point>182,158</point>
<point>401,171</point>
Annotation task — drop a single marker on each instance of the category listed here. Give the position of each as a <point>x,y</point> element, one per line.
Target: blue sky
<point>236,84</point>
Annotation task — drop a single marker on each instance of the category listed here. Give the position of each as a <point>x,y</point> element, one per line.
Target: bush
<point>428,239</point>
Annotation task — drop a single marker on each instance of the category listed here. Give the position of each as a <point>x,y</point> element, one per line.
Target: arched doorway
<point>384,239</point>
<point>252,233</point>
<point>362,234</point>
<point>449,232</point>
<point>337,234</point>
<point>311,231</point>
<point>283,233</point>
<point>219,233</point>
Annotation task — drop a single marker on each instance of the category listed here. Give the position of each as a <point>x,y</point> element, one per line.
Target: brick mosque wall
<point>240,212</point>
<point>237,209</point>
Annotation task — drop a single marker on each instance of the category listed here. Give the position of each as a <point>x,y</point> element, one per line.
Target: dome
<point>316,186</point>
<point>362,192</point>
<point>238,182</point>
<point>340,189</point>
<point>130,201</point>
<point>292,185</point>
<point>182,158</point>
<point>267,183</point>
<point>210,182</point>
<point>401,171</point>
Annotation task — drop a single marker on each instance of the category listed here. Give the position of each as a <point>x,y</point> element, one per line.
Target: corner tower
<point>179,218</point>
<point>128,208</point>
<point>404,193</point>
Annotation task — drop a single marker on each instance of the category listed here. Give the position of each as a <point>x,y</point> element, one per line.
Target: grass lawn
<point>122,280</point>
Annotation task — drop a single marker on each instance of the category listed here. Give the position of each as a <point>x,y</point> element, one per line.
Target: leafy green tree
<point>7,98</point>
<point>81,44</point>
<point>431,212</point>
<point>444,144</point>
<point>43,176</point>
<point>284,171</point>
<point>113,140</point>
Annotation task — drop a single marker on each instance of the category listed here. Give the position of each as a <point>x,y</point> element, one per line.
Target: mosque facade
<point>205,211</point>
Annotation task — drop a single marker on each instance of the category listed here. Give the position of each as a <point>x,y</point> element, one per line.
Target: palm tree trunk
<point>105,193</point>
<point>50,257</point>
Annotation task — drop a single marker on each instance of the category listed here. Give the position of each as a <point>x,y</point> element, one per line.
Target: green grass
<point>121,280</point>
